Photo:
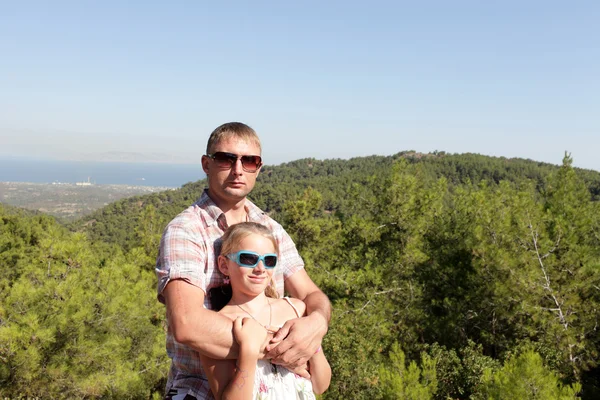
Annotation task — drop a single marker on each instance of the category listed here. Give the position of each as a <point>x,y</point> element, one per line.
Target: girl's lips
<point>257,279</point>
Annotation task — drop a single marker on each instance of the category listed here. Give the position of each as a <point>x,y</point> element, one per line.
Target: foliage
<point>279,184</point>
<point>525,377</point>
<point>459,372</point>
<point>412,383</point>
<point>483,270</point>
<point>74,322</point>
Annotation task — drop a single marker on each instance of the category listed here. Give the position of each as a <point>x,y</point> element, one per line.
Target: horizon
<point>324,81</point>
<point>267,164</point>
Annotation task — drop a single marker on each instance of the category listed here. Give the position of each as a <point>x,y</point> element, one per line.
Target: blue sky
<point>81,79</point>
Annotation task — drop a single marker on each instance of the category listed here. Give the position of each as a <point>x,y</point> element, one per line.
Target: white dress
<point>274,382</point>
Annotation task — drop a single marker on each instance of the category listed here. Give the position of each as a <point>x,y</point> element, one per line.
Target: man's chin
<point>236,194</point>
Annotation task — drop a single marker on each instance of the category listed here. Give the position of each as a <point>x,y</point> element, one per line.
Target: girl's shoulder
<point>231,312</point>
<point>294,307</point>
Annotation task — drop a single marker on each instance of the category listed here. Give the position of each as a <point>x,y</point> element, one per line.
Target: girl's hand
<point>249,334</point>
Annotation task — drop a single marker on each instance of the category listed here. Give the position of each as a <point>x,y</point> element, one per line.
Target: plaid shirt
<point>189,249</point>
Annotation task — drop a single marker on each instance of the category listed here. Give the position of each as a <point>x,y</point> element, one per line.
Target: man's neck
<point>235,212</point>
<point>235,216</point>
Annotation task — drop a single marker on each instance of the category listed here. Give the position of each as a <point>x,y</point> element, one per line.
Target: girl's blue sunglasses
<point>249,259</point>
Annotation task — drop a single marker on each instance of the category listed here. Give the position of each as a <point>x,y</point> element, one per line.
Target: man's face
<point>229,185</point>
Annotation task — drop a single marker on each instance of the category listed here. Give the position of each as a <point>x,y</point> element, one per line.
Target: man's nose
<point>237,168</point>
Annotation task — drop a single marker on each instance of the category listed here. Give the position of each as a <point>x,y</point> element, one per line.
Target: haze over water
<point>139,174</point>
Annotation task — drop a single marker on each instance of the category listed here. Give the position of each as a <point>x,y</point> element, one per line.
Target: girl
<point>248,259</point>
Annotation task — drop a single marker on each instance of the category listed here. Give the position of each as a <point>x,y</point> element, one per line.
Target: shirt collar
<point>214,212</point>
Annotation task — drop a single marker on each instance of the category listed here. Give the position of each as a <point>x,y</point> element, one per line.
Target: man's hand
<point>302,371</point>
<point>297,341</point>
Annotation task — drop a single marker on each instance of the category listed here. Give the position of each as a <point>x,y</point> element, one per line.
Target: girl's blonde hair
<point>234,236</point>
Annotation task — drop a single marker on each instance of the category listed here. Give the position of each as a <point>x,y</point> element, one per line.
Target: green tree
<point>525,377</point>
<point>75,324</point>
<point>408,383</point>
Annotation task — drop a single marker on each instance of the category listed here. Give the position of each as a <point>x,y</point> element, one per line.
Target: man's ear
<point>223,265</point>
<point>205,161</point>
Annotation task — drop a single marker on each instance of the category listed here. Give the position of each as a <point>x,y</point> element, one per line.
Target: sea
<point>101,173</point>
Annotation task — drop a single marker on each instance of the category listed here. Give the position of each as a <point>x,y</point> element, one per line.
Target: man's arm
<point>204,330</point>
<point>180,271</point>
<point>300,338</point>
<point>300,286</point>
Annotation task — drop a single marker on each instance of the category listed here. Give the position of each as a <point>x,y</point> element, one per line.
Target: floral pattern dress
<point>274,382</point>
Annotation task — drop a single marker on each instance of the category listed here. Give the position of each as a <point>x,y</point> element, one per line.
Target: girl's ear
<point>223,265</point>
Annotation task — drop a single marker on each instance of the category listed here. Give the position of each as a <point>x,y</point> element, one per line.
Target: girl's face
<point>246,280</point>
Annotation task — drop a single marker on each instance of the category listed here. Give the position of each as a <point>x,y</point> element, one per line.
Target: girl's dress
<point>274,382</point>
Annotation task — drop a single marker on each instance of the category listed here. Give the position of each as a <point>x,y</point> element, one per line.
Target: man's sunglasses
<point>226,160</point>
<point>250,259</point>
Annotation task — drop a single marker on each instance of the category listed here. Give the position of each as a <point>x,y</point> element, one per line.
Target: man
<point>187,270</point>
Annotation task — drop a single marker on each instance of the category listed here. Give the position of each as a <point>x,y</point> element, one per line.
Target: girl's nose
<point>260,266</point>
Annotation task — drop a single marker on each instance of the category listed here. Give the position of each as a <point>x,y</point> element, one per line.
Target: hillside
<point>332,178</point>
<point>450,276</point>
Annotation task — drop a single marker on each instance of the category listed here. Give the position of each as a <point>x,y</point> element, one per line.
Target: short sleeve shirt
<point>189,249</point>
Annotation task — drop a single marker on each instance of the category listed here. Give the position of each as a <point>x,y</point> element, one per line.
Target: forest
<point>451,276</point>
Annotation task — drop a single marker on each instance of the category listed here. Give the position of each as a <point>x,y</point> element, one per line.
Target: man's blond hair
<point>229,130</point>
